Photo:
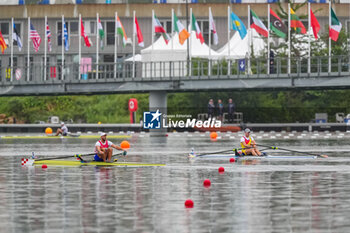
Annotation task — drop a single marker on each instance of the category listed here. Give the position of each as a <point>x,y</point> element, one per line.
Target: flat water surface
<point>258,195</point>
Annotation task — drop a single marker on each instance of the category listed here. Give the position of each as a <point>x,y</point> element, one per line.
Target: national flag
<point>314,24</point>
<point>195,27</point>
<point>296,23</point>
<point>2,43</point>
<point>83,34</point>
<point>212,27</point>
<point>335,27</point>
<point>101,33</point>
<point>277,25</point>
<point>238,25</point>
<point>17,38</point>
<point>65,36</point>
<point>138,33</point>
<point>257,24</point>
<point>33,34</point>
<point>179,28</point>
<point>158,28</point>
<point>48,35</point>
<point>121,31</point>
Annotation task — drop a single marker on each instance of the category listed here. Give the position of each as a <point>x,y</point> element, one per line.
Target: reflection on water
<point>251,196</point>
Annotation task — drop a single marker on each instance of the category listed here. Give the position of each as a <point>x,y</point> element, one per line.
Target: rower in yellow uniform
<point>249,145</point>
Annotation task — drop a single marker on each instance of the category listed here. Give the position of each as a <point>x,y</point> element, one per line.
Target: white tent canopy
<point>174,50</point>
<point>170,59</point>
<point>239,47</point>
<point>137,58</point>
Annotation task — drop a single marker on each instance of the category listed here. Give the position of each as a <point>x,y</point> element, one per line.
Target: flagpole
<point>28,50</point>
<point>329,39</point>
<point>209,62</point>
<point>228,41</point>
<point>268,39</point>
<point>115,45</point>
<point>153,34</point>
<point>152,29</point>
<point>62,40</point>
<point>172,29</point>
<point>249,39</point>
<point>97,44</point>
<point>45,52</point>
<point>133,47</point>
<point>190,42</point>
<point>308,31</point>
<point>11,62</point>
<point>79,36</point>
<point>288,38</point>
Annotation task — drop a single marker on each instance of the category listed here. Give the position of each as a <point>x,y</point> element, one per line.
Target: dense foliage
<point>86,109</point>
<point>276,106</point>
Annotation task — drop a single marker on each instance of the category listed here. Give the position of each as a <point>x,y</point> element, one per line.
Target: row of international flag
<point>276,25</point>
<point>280,29</point>
<point>33,35</point>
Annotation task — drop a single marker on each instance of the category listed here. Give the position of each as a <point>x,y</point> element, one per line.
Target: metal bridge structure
<point>160,78</point>
<point>176,76</point>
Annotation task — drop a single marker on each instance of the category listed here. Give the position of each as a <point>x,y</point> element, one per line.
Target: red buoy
<point>232,160</point>
<point>189,203</point>
<point>206,183</point>
<point>221,170</point>
<point>44,166</point>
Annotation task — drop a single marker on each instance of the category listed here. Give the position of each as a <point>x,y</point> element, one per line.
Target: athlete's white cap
<point>62,123</point>
<point>103,134</point>
<point>247,130</point>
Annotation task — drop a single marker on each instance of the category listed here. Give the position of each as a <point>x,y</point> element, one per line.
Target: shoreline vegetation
<point>256,106</point>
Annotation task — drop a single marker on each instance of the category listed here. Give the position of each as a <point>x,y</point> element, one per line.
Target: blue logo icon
<point>151,120</point>
<point>241,63</point>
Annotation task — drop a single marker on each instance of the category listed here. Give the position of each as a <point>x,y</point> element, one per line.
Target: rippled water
<point>251,196</point>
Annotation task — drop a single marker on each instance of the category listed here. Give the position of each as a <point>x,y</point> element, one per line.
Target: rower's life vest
<point>103,145</point>
<point>247,141</point>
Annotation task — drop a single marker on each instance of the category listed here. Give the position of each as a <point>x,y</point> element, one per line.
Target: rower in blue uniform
<point>104,149</point>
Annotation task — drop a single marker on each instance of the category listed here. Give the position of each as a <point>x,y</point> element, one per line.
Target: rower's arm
<point>253,143</point>
<point>117,147</point>
<point>244,144</point>
<point>99,150</point>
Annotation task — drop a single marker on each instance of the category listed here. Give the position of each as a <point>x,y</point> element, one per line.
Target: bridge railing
<point>169,70</point>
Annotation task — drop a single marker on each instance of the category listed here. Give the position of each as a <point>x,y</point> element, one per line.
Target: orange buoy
<point>206,183</point>
<point>232,160</point>
<point>125,145</point>
<point>213,135</point>
<point>48,130</point>
<point>221,170</point>
<point>189,203</point>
